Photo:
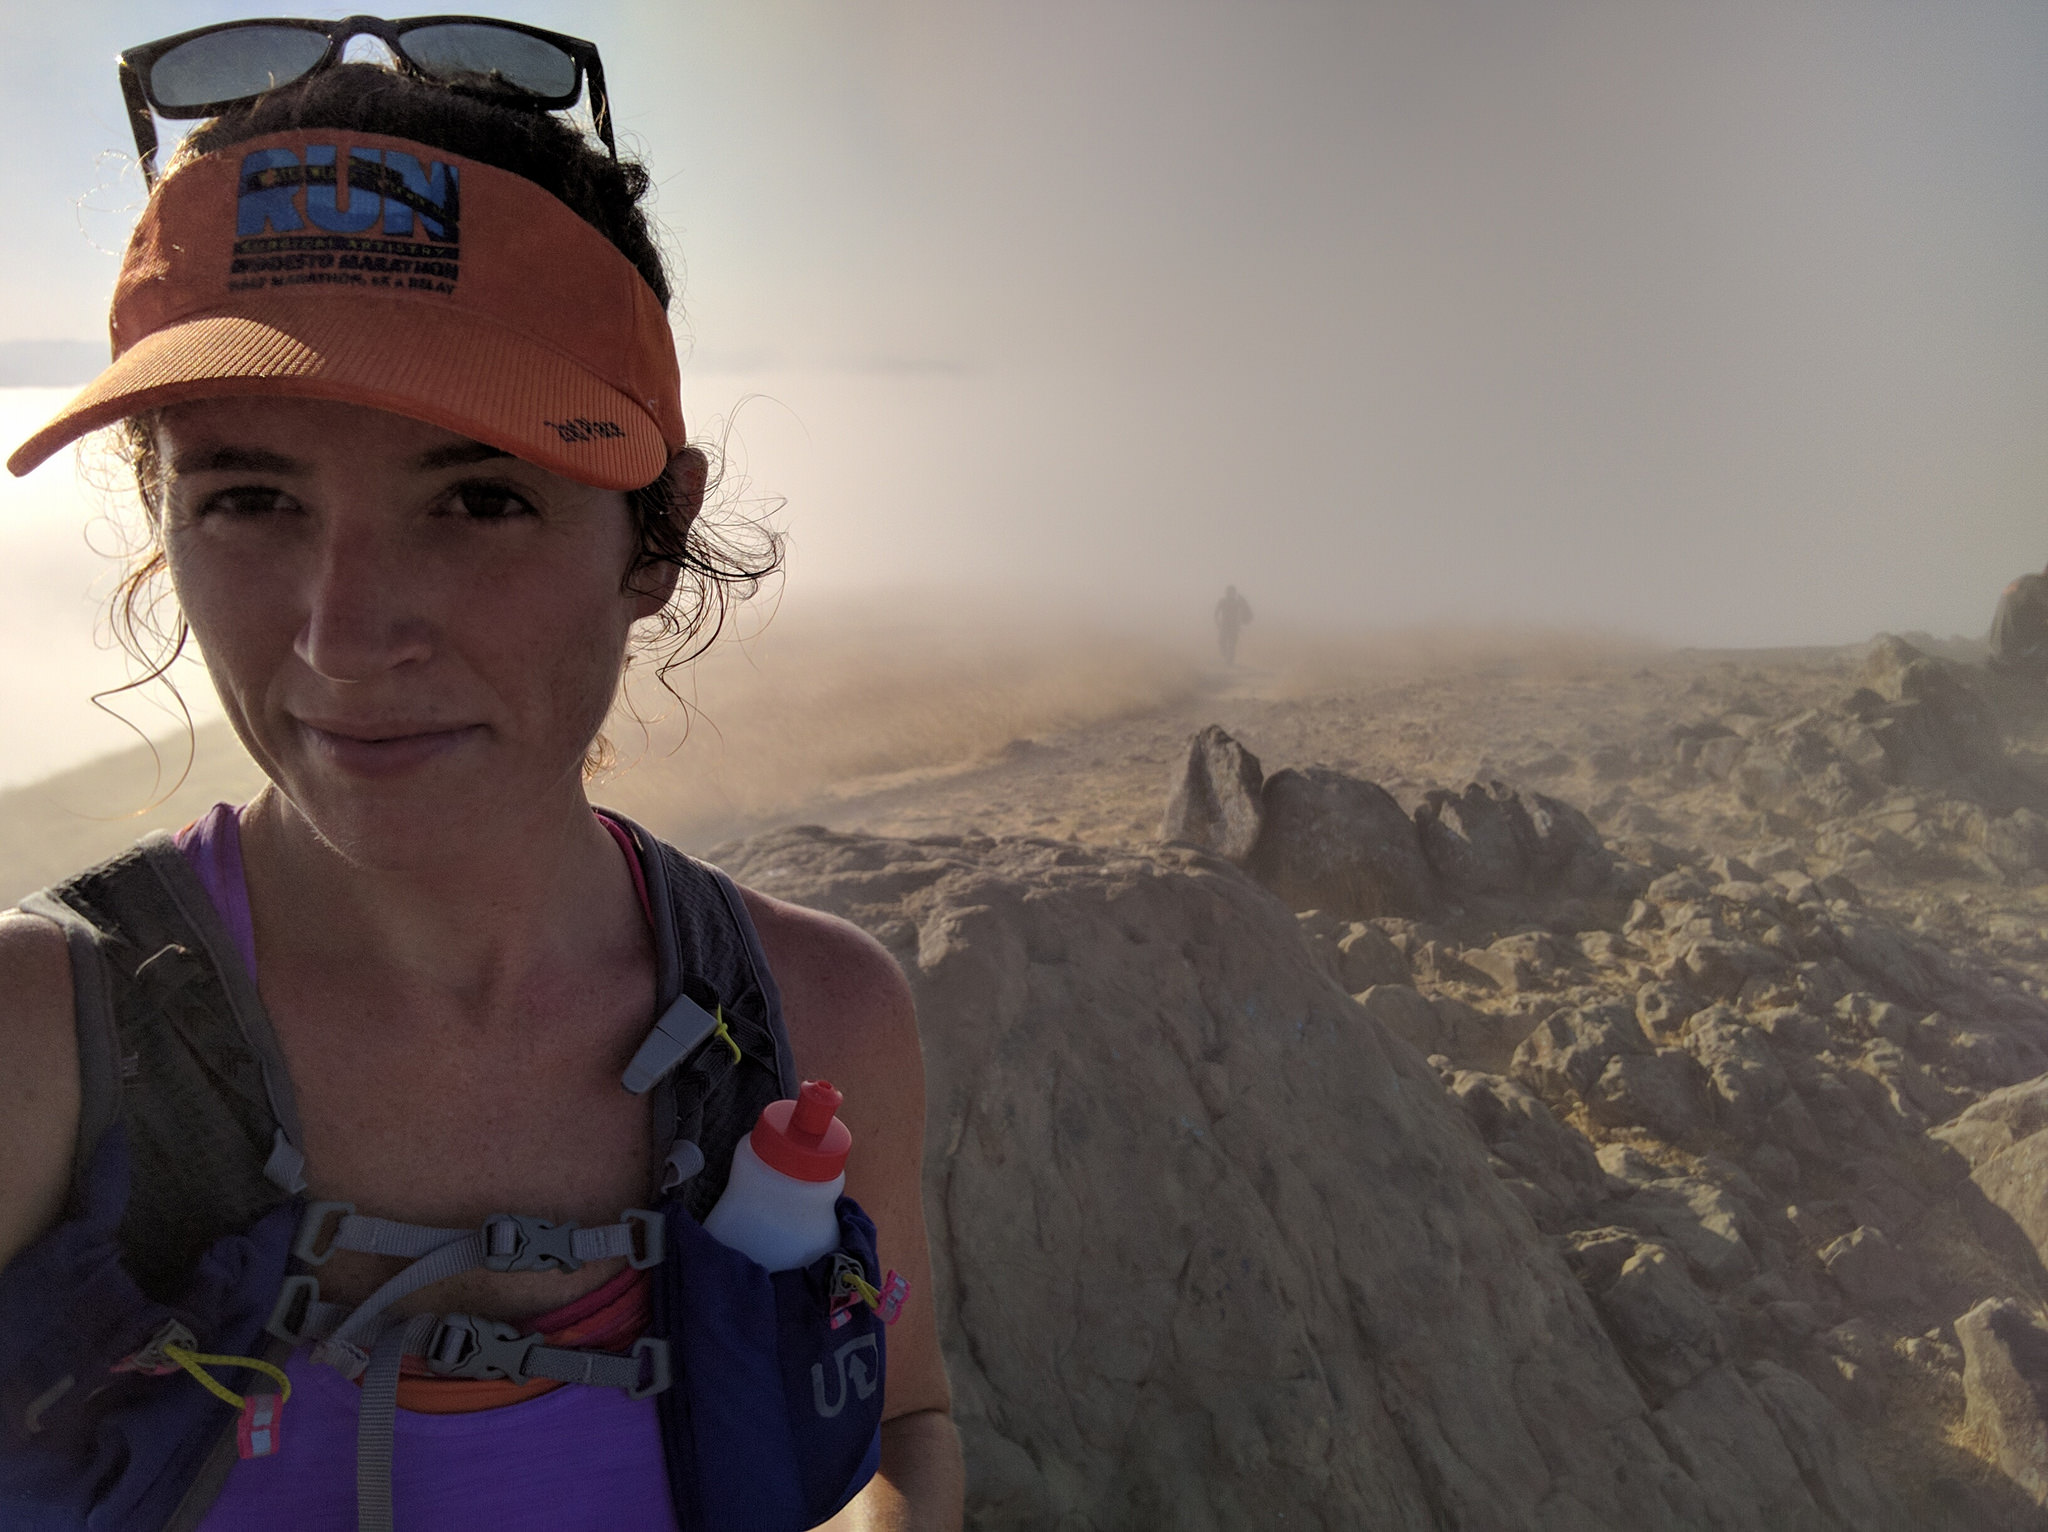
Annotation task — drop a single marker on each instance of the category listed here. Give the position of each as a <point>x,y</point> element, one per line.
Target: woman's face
<point>415,635</point>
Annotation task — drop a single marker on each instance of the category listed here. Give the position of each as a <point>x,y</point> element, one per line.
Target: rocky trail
<point>1602,1093</point>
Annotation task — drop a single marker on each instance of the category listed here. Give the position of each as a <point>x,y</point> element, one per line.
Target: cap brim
<point>454,370</point>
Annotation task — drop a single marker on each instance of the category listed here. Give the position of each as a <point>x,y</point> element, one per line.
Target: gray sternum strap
<point>364,1343</point>
<point>506,1241</point>
<point>471,1346</point>
<point>465,1346</point>
<point>680,1032</point>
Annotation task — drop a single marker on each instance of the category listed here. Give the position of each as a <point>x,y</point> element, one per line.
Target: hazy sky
<point>1724,323</point>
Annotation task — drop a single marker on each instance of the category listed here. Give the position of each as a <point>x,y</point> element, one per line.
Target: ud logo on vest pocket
<point>853,1367</point>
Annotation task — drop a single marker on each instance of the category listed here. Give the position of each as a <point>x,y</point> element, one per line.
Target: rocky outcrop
<point>1491,842</point>
<point>1216,1247</point>
<point>1332,842</point>
<point>1907,776</point>
<point>1324,840</point>
<point>2005,1369</point>
<point>1771,1071</point>
<point>1215,799</point>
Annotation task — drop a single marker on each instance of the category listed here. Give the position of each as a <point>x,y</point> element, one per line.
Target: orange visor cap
<point>323,264</point>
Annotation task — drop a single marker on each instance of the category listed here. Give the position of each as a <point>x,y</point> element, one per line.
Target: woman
<point>300,1108</point>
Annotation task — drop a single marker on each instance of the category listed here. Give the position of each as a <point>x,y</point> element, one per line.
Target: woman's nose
<point>362,612</point>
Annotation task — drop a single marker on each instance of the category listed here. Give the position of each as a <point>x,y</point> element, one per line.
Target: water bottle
<point>777,1209</point>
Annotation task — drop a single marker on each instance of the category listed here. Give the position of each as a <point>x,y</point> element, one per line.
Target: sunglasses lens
<point>232,64</point>
<point>449,51</point>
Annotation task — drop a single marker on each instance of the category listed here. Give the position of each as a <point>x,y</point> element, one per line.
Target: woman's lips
<point>384,755</point>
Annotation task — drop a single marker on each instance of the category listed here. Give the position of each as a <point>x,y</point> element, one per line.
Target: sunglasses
<point>204,72</point>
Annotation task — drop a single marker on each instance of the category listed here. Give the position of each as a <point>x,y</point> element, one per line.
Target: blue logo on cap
<point>378,218</point>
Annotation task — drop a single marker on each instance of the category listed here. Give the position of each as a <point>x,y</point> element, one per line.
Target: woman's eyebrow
<point>235,460</point>
<point>458,455</point>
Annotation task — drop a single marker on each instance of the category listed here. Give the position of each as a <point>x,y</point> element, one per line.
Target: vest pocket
<point>83,1436</point>
<point>773,1418</point>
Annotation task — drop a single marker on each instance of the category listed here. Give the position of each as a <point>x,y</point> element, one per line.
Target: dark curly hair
<point>720,562</point>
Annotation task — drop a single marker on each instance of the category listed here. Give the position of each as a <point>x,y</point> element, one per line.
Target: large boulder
<point>1213,1249</point>
<point>1332,842</point>
<point>1930,724</point>
<point>1215,799</point>
<point>2005,1367</point>
<point>1477,840</point>
<point>1491,842</point>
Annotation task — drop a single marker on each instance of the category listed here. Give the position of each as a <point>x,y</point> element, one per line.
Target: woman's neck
<point>465,913</point>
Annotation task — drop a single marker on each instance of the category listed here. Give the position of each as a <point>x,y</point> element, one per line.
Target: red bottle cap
<point>803,1138</point>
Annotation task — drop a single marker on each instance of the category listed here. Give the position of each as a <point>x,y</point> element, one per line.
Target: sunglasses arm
<point>140,120</point>
<point>600,103</point>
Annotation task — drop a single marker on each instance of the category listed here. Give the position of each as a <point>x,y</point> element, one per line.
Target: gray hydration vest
<point>174,1047</point>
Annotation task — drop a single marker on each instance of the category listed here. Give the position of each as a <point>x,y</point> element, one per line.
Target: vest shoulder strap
<point>173,1042</point>
<point>706,947</point>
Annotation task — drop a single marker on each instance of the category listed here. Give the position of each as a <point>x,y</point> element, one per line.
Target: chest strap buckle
<point>522,1242</point>
<point>468,1346</point>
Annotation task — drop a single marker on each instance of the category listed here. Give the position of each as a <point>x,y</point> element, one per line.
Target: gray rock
<point>1491,841</point>
<point>1662,1091</point>
<point>1321,1308</point>
<point>1720,966</point>
<point>1333,842</point>
<point>2016,1182</point>
<point>1993,1125</point>
<point>1215,803</point>
<point>1566,852</point>
<point>1725,1437</point>
<point>1366,956</point>
<point>1521,1132</point>
<point>1871,1272</point>
<point>1823,1447</point>
<point>1478,840</point>
<point>2018,843</point>
<point>1744,1077</point>
<point>1510,964</point>
<point>1407,1014</point>
<point>1605,949</point>
<point>1567,1051</point>
<point>1665,1324</point>
<point>2005,1363</point>
<point>1629,1164</point>
<point>1479,1039</point>
<point>1663,1008</point>
<point>1718,758</point>
<point>1701,1222</point>
<point>1677,886</point>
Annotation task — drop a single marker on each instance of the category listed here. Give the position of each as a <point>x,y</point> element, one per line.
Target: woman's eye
<point>246,501</point>
<point>488,502</point>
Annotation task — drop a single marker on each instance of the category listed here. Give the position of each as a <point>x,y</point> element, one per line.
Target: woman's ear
<point>688,472</point>
<point>654,583</point>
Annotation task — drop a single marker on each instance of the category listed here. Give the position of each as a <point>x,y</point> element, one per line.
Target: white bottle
<point>777,1208</point>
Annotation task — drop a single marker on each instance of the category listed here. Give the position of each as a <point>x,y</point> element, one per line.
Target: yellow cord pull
<point>851,1279</point>
<point>173,1347</point>
<point>722,1033</point>
<point>196,1363</point>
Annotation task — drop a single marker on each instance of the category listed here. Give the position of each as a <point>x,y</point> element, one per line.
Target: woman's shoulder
<point>844,999</point>
<point>39,1089</point>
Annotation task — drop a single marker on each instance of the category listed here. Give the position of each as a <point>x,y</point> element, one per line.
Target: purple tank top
<point>572,1459</point>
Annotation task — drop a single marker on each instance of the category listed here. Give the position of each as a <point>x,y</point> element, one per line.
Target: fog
<point>1707,325</point>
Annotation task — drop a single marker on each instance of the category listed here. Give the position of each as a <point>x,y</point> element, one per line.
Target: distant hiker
<point>2019,629</point>
<point>1232,613</point>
